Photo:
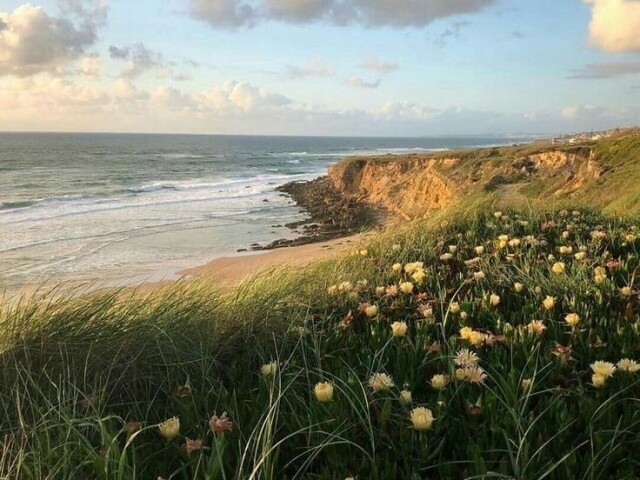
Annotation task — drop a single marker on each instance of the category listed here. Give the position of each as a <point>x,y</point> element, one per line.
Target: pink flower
<point>221,424</point>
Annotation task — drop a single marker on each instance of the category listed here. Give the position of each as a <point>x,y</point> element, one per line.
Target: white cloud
<point>615,25</point>
<point>314,68</point>
<point>235,97</point>
<point>358,82</point>
<point>32,41</point>
<point>140,60</point>
<point>380,66</point>
<point>372,13</point>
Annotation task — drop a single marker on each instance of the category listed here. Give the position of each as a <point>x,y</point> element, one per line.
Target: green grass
<point>85,381</point>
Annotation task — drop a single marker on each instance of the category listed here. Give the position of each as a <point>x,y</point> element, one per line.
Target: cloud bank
<point>615,25</point>
<point>369,13</point>
<point>32,41</point>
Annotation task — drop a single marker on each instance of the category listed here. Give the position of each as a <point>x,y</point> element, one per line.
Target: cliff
<point>604,174</point>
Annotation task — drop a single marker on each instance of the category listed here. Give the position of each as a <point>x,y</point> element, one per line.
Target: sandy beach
<point>227,272</point>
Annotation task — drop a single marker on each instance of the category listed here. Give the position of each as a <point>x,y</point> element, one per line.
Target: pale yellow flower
<point>405,396</point>
<point>630,238</point>
<point>445,257</point>
<point>518,287</point>
<point>465,333</point>
<point>397,267</point>
<point>598,380</point>
<point>478,276</point>
<point>628,365</point>
<point>269,369</point>
<point>466,358</point>
<point>419,276</point>
<point>371,311</point>
<point>406,287</point>
<point>170,428</point>
<point>364,252</point>
<point>323,392</point>
<point>494,300</point>
<point>599,274</point>
<point>332,290</point>
<point>526,383</point>
<point>572,319</point>
<point>580,256</point>
<point>514,242</point>
<point>565,250</point>
<point>454,308</point>
<point>606,369</point>
<point>549,302</point>
<point>460,375</point>
<point>497,214</point>
<point>421,418</point>
<point>439,382</point>
<point>453,248</point>
<point>380,382</point>
<point>463,316</point>
<point>380,291</point>
<point>558,268</point>
<point>625,291</point>
<point>536,327</point>
<point>476,338</point>
<point>412,267</point>
<point>399,329</point>
<point>479,250</point>
<point>503,238</point>
<point>474,374</point>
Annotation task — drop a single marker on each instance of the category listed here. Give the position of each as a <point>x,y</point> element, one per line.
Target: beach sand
<point>227,272</point>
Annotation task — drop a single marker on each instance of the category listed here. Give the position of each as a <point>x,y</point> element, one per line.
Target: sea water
<point>101,207</point>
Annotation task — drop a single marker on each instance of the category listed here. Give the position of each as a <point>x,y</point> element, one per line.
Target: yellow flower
<point>518,287</point>
<point>536,327</point>
<point>463,316</point>
<point>494,300</point>
<point>380,291</point>
<point>399,329</point>
<point>630,237</point>
<point>604,369</point>
<point>364,252</point>
<point>419,276</point>
<point>453,248</point>
<point>397,267</point>
<point>454,308</point>
<point>323,391</point>
<point>628,365</point>
<point>474,374</point>
<point>526,383</point>
<point>332,290</point>
<point>478,276</point>
<point>572,319</point>
<point>421,418</point>
<point>269,369</point>
<point>515,242</point>
<point>479,250</point>
<point>465,333</point>
<point>580,255</point>
<point>549,302</point>
<point>460,375</point>
<point>170,428</point>
<point>439,382</point>
<point>466,358</point>
<point>598,380</point>
<point>503,238</point>
<point>565,250</point>
<point>476,338</point>
<point>405,396</point>
<point>599,275</point>
<point>406,287</point>
<point>412,267</point>
<point>380,382</point>
<point>625,291</point>
<point>558,268</point>
<point>445,257</point>
<point>371,311</point>
<point>497,214</point>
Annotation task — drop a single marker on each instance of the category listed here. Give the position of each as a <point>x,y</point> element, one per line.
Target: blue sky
<point>339,67</point>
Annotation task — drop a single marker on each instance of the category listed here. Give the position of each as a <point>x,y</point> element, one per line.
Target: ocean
<point>116,207</point>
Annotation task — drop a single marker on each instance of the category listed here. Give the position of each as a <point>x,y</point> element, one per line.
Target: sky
<point>320,67</point>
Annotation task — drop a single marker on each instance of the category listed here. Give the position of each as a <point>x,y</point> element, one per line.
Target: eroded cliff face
<point>414,186</point>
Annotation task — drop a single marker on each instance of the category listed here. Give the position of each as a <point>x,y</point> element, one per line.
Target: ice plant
<point>558,268</point>
<point>191,446</point>
<point>466,358</point>
<point>479,250</point>
<point>536,327</point>
<point>494,300</point>
<point>221,424</point>
<point>454,308</point>
<point>170,428</point>
<point>572,319</point>
<point>518,287</point>
<point>371,311</point>
<point>549,302</point>
<point>606,369</point>
<point>598,380</point>
<point>405,396</point>
<point>399,329</point>
<point>380,382</point>
<point>628,365</point>
<point>406,288</point>
<point>421,418</point>
<point>323,392</point>
<point>474,374</point>
<point>269,369</point>
<point>526,384</point>
<point>478,276</point>
<point>439,382</point>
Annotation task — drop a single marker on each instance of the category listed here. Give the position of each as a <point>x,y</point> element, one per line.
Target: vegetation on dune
<point>477,346</point>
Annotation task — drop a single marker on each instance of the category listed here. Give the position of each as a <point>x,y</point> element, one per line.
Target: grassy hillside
<point>468,346</point>
<point>603,174</point>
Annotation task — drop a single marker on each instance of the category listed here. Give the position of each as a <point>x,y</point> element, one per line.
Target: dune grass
<point>86,381</point>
